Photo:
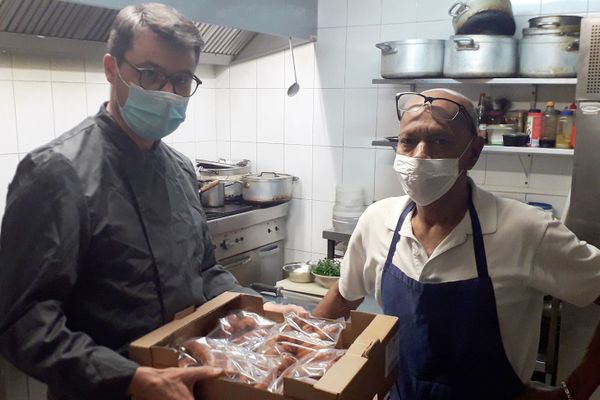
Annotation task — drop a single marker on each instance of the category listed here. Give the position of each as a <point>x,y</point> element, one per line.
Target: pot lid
<point>554,21</point>
<point>267,177</point>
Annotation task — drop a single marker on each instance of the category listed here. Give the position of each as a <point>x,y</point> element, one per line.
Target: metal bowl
<point>298,272</point>
<point>324,280</point>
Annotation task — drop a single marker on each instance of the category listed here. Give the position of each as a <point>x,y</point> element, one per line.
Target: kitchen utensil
<point>411,58</point>
<point>555,21</point>
<point>567,30</point>
<point>213,194</point>
<point>209,185</point>
<point>474,56</point>
<point>294,88</point>
<point>325,281</point>
<point>515,139</point>
<point>548,56</point>
<point>487,17</point>
<point>298,272</point>
<point>267,187</point>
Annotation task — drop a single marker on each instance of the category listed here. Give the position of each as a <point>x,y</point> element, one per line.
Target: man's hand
<point>283,308</point>
<point>169,383</point>
<point>542,394</point>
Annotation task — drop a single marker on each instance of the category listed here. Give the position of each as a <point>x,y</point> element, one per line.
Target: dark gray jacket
<point>101,243</point>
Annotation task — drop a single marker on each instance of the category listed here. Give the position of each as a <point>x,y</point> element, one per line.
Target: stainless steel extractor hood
<point>234,30</point>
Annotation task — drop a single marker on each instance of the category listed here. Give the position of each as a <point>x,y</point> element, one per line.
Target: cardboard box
<point>366,371</point>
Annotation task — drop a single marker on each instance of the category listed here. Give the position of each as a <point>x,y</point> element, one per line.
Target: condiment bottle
<point>481,120</point>
<point>564,129</point>
<point>549,124</point>
<point>534,126</point>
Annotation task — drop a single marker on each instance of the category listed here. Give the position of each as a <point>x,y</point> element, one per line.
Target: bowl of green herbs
<point>326,272</point>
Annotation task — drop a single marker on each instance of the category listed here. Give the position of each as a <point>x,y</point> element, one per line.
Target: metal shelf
<point>477,81</point>
<point>500,149</point>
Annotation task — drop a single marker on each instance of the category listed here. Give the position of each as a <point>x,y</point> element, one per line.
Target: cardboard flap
<point>340,374</point>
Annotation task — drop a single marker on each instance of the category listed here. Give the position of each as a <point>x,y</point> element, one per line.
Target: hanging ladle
<point>292,90</point>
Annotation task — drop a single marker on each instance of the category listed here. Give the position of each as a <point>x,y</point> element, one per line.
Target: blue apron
<point>450,343</point>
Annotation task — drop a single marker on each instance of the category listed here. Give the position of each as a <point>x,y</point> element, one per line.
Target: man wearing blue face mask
<point>104,238</point>
<point>464,270</point>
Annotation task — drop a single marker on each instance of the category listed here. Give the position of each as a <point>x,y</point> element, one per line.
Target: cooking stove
<point>248,240</point>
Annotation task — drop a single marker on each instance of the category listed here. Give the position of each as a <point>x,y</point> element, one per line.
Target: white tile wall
<point>562,6</point>
<point>5,65</point>
<point>270,72</point>
<point>327,171</point>
<point>332,13</point>
<point>243,75</point>
<point>358,168</point>
<point>270,112</point>
<point>28,67</point>
<point>8,122</point>
<point>362,57</point>
<point>67,70</point>
<point>360,117</point>
<point>299,117</point>
<point>243,115</point>
<point>361,12</point>
<point>34,99</point>
<point>69,109</point>
<point>269,157</point>
<point>394,11</point>
<point>328,124</point>
<point>330,52</point>
<point>298,162</point>
<point>8,165</point>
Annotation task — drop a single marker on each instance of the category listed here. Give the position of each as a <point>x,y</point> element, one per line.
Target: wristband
<point>566,390</point>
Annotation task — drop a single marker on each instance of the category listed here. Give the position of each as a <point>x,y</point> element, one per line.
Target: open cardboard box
<point>366,371</point>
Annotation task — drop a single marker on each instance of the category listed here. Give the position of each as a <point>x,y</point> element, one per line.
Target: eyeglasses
<point>441,108</point>
<point>155,78</point>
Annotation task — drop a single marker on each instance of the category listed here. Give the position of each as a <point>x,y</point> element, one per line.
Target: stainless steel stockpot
<point>411,58</point>
<point>475,56</point>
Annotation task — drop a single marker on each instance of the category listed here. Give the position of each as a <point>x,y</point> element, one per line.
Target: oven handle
<point>243,261</point>
<point>267,251</point>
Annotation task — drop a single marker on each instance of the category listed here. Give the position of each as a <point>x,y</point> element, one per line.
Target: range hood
<point>234,30</point>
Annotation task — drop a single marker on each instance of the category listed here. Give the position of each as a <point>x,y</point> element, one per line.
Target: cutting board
<point>307,288</point>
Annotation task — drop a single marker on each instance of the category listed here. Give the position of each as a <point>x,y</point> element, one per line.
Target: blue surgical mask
<point>152,114</point>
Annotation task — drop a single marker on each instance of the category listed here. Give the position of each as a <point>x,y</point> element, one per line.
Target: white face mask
<point>426,180</point>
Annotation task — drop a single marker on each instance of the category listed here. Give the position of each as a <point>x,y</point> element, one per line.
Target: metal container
<point>548,56</point>
<point>222,167</point>
<point>267,187</point>
<point>298,272</point>
<point>567,30</point>
<point>411,58</point>
<point>555,21</point>
<point>475,56</point>
<point>214,197</point>
<point>482,17</point>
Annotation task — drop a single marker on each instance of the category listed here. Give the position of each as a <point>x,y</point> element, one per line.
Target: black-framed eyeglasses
<point>440,107</point>
<point>155,78</point>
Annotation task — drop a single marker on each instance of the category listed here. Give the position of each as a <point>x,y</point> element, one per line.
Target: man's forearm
<point>586,378</point>
<point>334,305</point>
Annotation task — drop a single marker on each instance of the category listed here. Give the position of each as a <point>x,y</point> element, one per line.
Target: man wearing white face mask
<point>104,238</point>
<point>464,271</point>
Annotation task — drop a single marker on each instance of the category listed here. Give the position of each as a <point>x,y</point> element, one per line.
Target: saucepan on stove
<point>267,187</point>
<point>212,194</point>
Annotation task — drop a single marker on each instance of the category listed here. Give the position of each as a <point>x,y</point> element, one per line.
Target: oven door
<point>261,265</point>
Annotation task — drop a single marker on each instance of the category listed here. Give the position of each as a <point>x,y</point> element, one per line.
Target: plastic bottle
<point>549,124</point>
<point>564,129</point>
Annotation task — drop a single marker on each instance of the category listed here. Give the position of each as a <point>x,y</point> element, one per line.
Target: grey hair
<point>471,112</point>
<point>168,23</point>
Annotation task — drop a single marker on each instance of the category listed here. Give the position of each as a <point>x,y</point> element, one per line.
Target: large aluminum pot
<point>411,58</point>
<point>482,17</point>
<point>477,56</point>
<point>267,187</point>
<point>548,56</point>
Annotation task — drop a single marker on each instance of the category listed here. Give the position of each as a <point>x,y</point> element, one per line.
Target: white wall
<point>323,134</point>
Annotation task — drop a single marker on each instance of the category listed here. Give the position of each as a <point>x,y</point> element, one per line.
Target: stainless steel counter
<point>253,217</point>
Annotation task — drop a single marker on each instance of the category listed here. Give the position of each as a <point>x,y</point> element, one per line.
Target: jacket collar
<point>485,205</point>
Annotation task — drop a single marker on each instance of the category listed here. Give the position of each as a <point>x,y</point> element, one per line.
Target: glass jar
<point>564,129</point>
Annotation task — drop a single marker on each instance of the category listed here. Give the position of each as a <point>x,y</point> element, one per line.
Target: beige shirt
<point>528,255</point>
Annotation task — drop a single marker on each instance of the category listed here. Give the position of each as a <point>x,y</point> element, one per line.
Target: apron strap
<point>392,250</point>
<point>478,245</point>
